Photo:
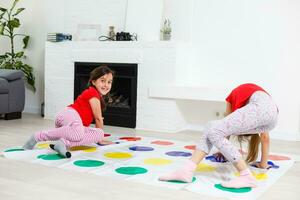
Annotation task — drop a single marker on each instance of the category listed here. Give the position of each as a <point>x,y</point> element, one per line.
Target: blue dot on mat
<point>141,148</point>
<point>178,153</point>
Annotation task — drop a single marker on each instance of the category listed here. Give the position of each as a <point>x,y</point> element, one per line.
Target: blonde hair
<point>253,145</point>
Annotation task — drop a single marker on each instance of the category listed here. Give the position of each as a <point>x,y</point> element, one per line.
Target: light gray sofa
<point>12,93</point>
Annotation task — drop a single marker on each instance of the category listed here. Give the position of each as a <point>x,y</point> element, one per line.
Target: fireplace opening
<point>121,100</point>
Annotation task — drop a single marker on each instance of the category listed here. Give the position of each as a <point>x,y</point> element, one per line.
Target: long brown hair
<point>253,145</point>
<point>97,73</point>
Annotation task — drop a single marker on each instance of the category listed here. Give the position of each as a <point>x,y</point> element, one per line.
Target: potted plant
<point>9,23</point>
<point>166,30</point>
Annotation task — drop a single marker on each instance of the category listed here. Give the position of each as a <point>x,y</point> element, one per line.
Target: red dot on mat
<point>130,138</point>
<point>107,134</point>
<point>278,157</point>
<point>191,147</point>
<point>160,142</point>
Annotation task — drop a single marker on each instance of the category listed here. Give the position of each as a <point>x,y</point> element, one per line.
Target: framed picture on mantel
<point>88,32</point>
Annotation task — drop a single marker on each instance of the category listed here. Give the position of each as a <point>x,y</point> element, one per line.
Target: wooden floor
<point>21,180</point>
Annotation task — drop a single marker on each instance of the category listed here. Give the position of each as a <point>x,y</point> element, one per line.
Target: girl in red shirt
<point>71,124</point>
<point>251,113</point>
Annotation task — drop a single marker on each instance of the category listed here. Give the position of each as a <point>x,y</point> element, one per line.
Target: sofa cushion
<point>11,75</point>
<point>3,86</point>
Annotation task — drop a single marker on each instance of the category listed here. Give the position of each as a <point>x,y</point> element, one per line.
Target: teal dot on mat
<point>131,170</point>
<point>51,157</point>
<point>88,163</point>
<point>11,150</point>
<point>234,190</point>
<point>175,181</point>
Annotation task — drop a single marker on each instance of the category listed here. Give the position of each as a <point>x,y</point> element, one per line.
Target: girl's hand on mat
<point>105,142</point>
<point>219,157</point>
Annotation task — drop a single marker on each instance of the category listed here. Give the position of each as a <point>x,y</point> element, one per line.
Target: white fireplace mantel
<point>156,65</point>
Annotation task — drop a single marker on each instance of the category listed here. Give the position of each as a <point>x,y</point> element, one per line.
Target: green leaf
<point>27,69</point>
<point>1,29</point>
<point>1,15</point>
<point>18,11</point>
<point>8,65</point>
<point>19,54</point>
<point>3,56</point>
<point>14,4</point>
<point>15,23</point>
<point>25,41</point>
<point>3,9</point>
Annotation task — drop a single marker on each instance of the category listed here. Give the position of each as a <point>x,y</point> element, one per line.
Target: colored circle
<point>234,190</point>
<point>175,181</point>
<point>190,147</point>
<point>202,167</point>
<point>51,157</point>
<point>130,138</point>
<point>278,157</point>
<point>43,145</point>
<point>157,161</point>
<point>161,142</point>
<point>178,153</point>
<point>12,150</point>
<point>141,148</point>
<point>83,148</point>
<point>107,134</point>
<point>88,163</point>
<point>131,170</point>
<point>260,176</point>
<point>117,155</point>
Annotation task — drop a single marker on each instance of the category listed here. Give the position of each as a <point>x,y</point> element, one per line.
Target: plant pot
<point>166,36</point>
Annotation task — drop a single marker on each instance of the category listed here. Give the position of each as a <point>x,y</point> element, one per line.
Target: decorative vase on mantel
<point>166,36</point>
<point>166,30</point>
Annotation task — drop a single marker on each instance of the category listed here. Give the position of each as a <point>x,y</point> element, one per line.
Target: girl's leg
<point>91,135</point>
<point>186,172</point>
<point>70,129</point>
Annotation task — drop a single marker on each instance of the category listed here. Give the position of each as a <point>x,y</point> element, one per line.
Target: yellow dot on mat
<point>118,155</point>
<point>260,176</point>
<point>202,167</point>
<point>84,148</point>
<point>43,145</point>
<point>157,161</point>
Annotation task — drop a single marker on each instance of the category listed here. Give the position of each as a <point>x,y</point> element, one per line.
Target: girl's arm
<point>265,145</point>
<point>97,112</point>
<point>228,109</point>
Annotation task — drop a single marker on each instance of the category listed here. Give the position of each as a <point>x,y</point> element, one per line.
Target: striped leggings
<point>259,115</point>
<point>70,130</point>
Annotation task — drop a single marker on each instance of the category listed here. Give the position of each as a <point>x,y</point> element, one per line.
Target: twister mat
<point>144,159</point>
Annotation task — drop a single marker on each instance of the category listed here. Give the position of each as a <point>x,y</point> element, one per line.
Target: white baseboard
<point>32,110</point>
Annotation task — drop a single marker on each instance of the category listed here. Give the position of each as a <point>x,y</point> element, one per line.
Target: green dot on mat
<point>234,190</point>
<point>51,157</point>
<point>11,150</point>
<point>88,163</point>
<point>175,181</point>
<point>131,170</point>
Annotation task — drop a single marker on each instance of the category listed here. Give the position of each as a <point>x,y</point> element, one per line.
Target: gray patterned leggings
<point>258,116</point>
